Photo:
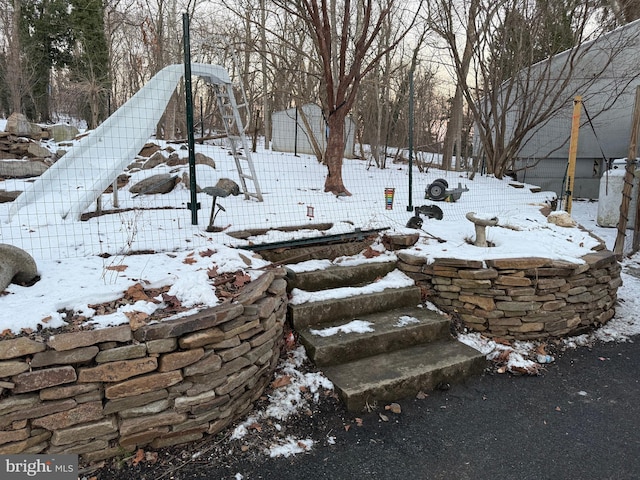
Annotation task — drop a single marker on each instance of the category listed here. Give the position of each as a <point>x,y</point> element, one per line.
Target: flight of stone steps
<point>365,328</point>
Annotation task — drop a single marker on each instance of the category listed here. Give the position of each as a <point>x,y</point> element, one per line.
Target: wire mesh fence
<point>119,190</point>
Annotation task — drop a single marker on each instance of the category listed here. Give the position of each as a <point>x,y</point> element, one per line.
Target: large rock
<point>154,160</point>
<point>19,125</point>
<point>16,265</point>
<point>161,183</point>
<point>22,168</point>
<point>36,150</point>
<point>62,132</point>
<point>9,196</point>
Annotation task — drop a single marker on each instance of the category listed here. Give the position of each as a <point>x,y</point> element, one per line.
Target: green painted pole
<point>193,205</point>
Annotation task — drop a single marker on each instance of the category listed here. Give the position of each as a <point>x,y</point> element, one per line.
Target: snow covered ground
<point>75,273</point>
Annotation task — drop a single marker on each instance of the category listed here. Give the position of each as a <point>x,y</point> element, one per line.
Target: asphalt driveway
<point>579,420</point>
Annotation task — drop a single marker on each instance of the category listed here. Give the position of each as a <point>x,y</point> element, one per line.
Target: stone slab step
<point>391,330</point>
<point>403,373</point>
<point>318,313</point>
<point>339,276</point>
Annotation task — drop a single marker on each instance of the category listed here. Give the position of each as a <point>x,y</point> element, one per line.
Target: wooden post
<point>629,178</point>
<point>573,151</point>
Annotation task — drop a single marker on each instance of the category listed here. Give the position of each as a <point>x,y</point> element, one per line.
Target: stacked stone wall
<point>521,298</point>
<point>103,393</point>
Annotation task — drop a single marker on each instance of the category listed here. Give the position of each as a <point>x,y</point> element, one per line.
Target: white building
<point>289,133</point>
<point>605,73</point>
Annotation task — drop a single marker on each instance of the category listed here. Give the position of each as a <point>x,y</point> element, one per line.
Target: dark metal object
<point>357,235</point>
<point>223,188</point>
<point>430,211</point>
<point>439,191</point>
<point>193,204</point>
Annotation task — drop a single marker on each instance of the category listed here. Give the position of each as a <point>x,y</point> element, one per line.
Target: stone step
<point>391,330</point>
<point>396,375</point>
<point>339,276</point>
<point>321,312</point>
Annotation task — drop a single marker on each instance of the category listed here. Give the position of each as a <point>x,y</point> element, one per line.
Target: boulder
<point>16,266</point>
<point>161,183</point>
<point>174,160</point>
<point>202,159</point>
<point>36,150</point>
<point>62,132</point>
<point>9,196</point>
<point>561,219</point>
<point>22,168</point>
<point>149,149</point>
<point>156,159</point>
<point>19,125</point>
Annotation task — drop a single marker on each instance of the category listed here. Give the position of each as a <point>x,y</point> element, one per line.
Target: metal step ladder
<point>238,142</point>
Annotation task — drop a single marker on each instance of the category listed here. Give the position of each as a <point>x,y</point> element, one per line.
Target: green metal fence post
<point>193,205</point>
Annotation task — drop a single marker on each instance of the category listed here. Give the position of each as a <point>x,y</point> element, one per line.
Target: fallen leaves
<point>137,320</point>
<point>282,381</point>
<point>371,253</point>
<point>117,268</point>
<point>394,408</point>
<point>138,457</point>
<point>241,279</point>
<point>136,293</point>
<point>189,260</point>
<point>142,456</point>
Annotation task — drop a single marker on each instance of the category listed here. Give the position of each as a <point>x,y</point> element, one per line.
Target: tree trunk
<point>335,154</point>
<point>265,85</point>
<point>14,65</point>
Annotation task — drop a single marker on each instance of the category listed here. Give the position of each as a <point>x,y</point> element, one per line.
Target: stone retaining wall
<point>521,298</point>
<point>101,393</point>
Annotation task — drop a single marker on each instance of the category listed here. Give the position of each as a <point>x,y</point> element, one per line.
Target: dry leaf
<point>281,381</point>
<point>172,301</point>
<point>241,279</point>
<point>347,427</point>
<point>370,253</point>
<point>212,272</point>
<point>139,456</point>
<point>137,320</point>
<point>207,253</point>
<point>256,426</point>
<point>394,408</point>
<point>189,260</point>
<point>116,268</point>
<point>136,292</point>
<point>46,319</point>
<point>358,421</point>
<point>383,417</point>
<point>244,448</point>
<point>27,331</point>
<point>421,395</point>
<point>6,333</point>
<point>558,409</point>
<point>302,445</point>
<point>151,457</point>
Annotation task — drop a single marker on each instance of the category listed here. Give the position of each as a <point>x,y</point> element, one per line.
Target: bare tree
<point>509,92</point>
<point>13,74</point>
<point>343,34</point>
<point>624,11</point>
